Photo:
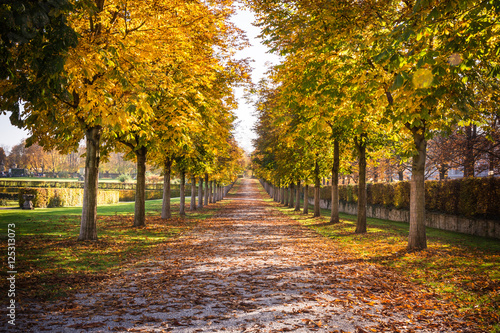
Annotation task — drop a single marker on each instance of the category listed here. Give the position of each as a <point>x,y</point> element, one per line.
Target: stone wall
<point>478,227</point>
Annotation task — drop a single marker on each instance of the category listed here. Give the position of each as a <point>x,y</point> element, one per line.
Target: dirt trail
<point>249,269</point>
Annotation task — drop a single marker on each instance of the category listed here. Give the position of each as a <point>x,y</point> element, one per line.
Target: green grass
<point>10,204</point>
<point>463,269</point>
<point>51,262</point>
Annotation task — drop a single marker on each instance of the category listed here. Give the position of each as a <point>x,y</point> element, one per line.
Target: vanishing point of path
<point>249,269</point>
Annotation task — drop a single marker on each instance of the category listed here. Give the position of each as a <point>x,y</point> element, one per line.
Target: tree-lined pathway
<point>249,269</point>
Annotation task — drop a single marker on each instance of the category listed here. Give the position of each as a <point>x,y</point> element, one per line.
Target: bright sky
<point>261,63</point>
<point>11,135</point>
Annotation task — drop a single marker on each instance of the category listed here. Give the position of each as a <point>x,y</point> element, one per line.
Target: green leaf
<point>398,83</point>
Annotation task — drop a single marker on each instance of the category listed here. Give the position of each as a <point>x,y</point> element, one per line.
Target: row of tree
<point>374,77</point>
<point>152,79</point>
<point>38,160</point>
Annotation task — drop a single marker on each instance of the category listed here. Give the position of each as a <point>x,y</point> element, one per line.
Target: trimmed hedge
<point>470,197</point>
<point>71,184</point>
<point>9,196</point>
<point>64,197</point>
<point>9,193</point>
<point>129,195</point>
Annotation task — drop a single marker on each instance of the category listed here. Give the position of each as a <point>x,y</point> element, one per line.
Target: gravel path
<point>249,269</point>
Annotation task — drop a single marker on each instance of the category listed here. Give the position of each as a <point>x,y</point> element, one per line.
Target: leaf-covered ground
<point>249,269</point>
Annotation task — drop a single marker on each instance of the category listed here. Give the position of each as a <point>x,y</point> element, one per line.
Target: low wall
<point>477,227</point>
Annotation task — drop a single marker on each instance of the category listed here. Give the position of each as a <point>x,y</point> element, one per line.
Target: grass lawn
<point>50,261</point>
<point>462,268</point>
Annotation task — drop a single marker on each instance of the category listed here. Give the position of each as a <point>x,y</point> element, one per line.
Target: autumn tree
<point>108,74</point>
<point>34,39</point>
<point>418,77</point>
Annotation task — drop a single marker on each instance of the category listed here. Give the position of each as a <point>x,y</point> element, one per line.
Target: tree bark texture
<point>317,185</point>
<point>286,192</point>
<point>283,195</point>
<point>88,223</point>
<point>292,196</point>
<point>306,199</point>
<point>417,239</point>
<point>166,213</point>
<point>200,193</point>
<point>192,205</point>
<point>334,217</point>
<point>361,147</point>
<point>297,197</point>
<point>207,189</point>
<point>182,209</point>
<point>140,188</point>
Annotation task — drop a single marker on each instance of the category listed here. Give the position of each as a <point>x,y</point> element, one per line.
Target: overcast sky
<point>11,135</point>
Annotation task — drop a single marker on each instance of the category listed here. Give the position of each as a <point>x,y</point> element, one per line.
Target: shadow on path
<point>249,269</point>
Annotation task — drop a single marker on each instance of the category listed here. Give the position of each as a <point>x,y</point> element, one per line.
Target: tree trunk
<point>165,207</point>
<point>88,223</point>
<point>306,199</point>
<point>417,238</point>
<point>334,217</point>
<point>442,172</point>
<point>286,192</point>
<point>297,197</point>
<point>361,147</point>
<point>401,176</point>
<point>182,210</point>
<point>469,162</point>
<point>292,196</point>
<point>210,190</point>
<point>207,189</point>
<point>192,205</point>
<point>317,185</point>
<point>140,188</point>
<point>282,195</point>
<point>200,193</point>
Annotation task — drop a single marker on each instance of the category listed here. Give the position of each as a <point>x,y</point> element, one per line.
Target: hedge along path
<point>249,269</point>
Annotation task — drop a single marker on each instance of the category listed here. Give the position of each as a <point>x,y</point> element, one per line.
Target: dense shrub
<point>470,197</point>
<point>63,197</point>
<point>124,178</point>
<point>154,179</point>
